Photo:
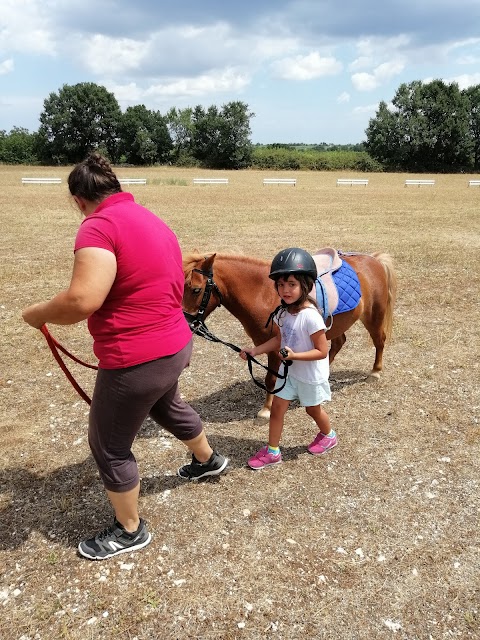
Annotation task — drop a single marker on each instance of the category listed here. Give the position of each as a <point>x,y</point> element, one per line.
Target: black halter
<point>195,320</point>
<point>198,326</point>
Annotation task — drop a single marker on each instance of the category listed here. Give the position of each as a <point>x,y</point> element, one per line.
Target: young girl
<point>302,340</point>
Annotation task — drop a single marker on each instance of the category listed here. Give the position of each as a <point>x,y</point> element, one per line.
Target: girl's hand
<point>286,353</point>
<point>243,353</point>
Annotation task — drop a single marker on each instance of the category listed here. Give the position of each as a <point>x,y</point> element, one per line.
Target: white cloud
<point>113,55</point>
<point>6,67</point>
<point>374,66</point>
<point>469,59</point>
<point>364,62</point>
<point>471,51</point>
<point>388,70</point>
<point>126,94</point>
<point>178,51</point>
<point>379,76</point>
<point>25,27</point>
<point>343,97</point>
<point>465,80</point>
<point>306,67</point>
<point>376,48</point>
<point>364,81</point>
<point>227,81</point>
<point>460,44</point>
<point>369,108</point>
<point>264,48</point>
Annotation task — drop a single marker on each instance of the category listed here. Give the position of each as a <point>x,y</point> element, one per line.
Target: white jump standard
<point>420,183</point>
<point>352,182</point>
<point>290,181</point>
<point>41,180</point>
<point>210,181</point>
<point>132,180</point>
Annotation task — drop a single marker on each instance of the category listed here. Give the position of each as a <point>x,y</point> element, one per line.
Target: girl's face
<point>289,289</point>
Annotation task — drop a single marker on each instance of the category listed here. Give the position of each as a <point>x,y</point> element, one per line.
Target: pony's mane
<point>191,260</point>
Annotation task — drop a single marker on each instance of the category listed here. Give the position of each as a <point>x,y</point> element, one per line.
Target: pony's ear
<point>208,263</point>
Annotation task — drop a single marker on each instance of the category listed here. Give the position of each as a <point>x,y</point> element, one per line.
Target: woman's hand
<point>34,316</point>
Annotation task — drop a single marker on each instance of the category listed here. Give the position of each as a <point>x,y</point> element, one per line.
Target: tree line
<point>86,116</point>
<point>432,127</point>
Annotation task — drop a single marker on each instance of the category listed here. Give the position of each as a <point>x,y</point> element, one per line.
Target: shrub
<point>284,158</point>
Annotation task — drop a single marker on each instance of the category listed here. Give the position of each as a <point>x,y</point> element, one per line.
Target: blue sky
<point>310,70</point>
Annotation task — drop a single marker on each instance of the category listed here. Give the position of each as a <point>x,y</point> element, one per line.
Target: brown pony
<point>241,284</point>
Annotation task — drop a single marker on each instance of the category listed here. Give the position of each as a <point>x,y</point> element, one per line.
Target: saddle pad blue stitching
<point>348,287</point>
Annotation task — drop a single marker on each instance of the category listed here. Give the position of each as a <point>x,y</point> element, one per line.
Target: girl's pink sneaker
<point>263,459</point>
<point>322,444</point>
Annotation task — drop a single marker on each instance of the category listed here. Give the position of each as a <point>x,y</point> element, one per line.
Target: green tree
<point>427,129</point>
<point>181,129</point>
<point>17,147</point>
<point>206,136</point>
<point>221,137</point>
<point>384,140</point>
<point>473,96</point>
<point>447,142</point>
<point>144,136</point>
<point>235,134</point>
<point>76,120</point>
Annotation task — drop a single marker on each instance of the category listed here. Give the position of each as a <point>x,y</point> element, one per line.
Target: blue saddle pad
<point>348,287</point>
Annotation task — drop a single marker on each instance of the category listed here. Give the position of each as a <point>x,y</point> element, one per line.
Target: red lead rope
<point>54,348</point>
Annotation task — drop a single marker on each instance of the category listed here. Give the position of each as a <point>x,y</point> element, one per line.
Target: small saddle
<point>337,288</point>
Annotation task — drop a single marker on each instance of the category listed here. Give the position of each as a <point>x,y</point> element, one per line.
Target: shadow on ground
<point>65,504</point>
<point>242,400</point>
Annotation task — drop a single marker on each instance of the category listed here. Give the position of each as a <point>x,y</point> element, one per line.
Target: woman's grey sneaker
<point>196,470</point>
<point>114,540</point>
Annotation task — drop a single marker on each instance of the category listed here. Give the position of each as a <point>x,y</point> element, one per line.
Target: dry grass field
<point>378,539</point>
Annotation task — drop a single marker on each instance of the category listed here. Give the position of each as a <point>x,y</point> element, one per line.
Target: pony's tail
<point>386,261</point>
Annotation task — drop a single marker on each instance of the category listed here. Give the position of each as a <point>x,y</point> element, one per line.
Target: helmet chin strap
<point>283,306</point>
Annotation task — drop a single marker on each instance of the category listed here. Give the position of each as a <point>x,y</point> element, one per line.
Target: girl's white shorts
<point>309,395</point>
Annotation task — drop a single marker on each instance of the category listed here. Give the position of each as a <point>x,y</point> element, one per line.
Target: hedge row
<point>289,159</point>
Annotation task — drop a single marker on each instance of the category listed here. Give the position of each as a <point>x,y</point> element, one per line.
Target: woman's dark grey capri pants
<point>121,401</point>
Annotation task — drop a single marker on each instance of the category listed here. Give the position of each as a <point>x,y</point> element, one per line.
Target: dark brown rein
<point>55,347</point>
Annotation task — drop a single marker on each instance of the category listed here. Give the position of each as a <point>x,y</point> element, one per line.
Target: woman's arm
<point>93,274</point>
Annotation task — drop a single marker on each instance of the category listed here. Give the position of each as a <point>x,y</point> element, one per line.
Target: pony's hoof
<point>262,417</point>
<point>374,376</point>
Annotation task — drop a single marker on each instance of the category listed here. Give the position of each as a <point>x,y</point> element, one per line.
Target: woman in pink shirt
<point>128,281</point>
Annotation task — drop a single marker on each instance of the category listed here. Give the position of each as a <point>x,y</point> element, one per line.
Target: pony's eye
<point>196,291</point>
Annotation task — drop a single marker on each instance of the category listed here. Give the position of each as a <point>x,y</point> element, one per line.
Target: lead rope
<point>200,329</point>
<point>54,348</point>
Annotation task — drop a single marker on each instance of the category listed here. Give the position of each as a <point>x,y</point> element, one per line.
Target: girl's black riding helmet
<point>293,260</point>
